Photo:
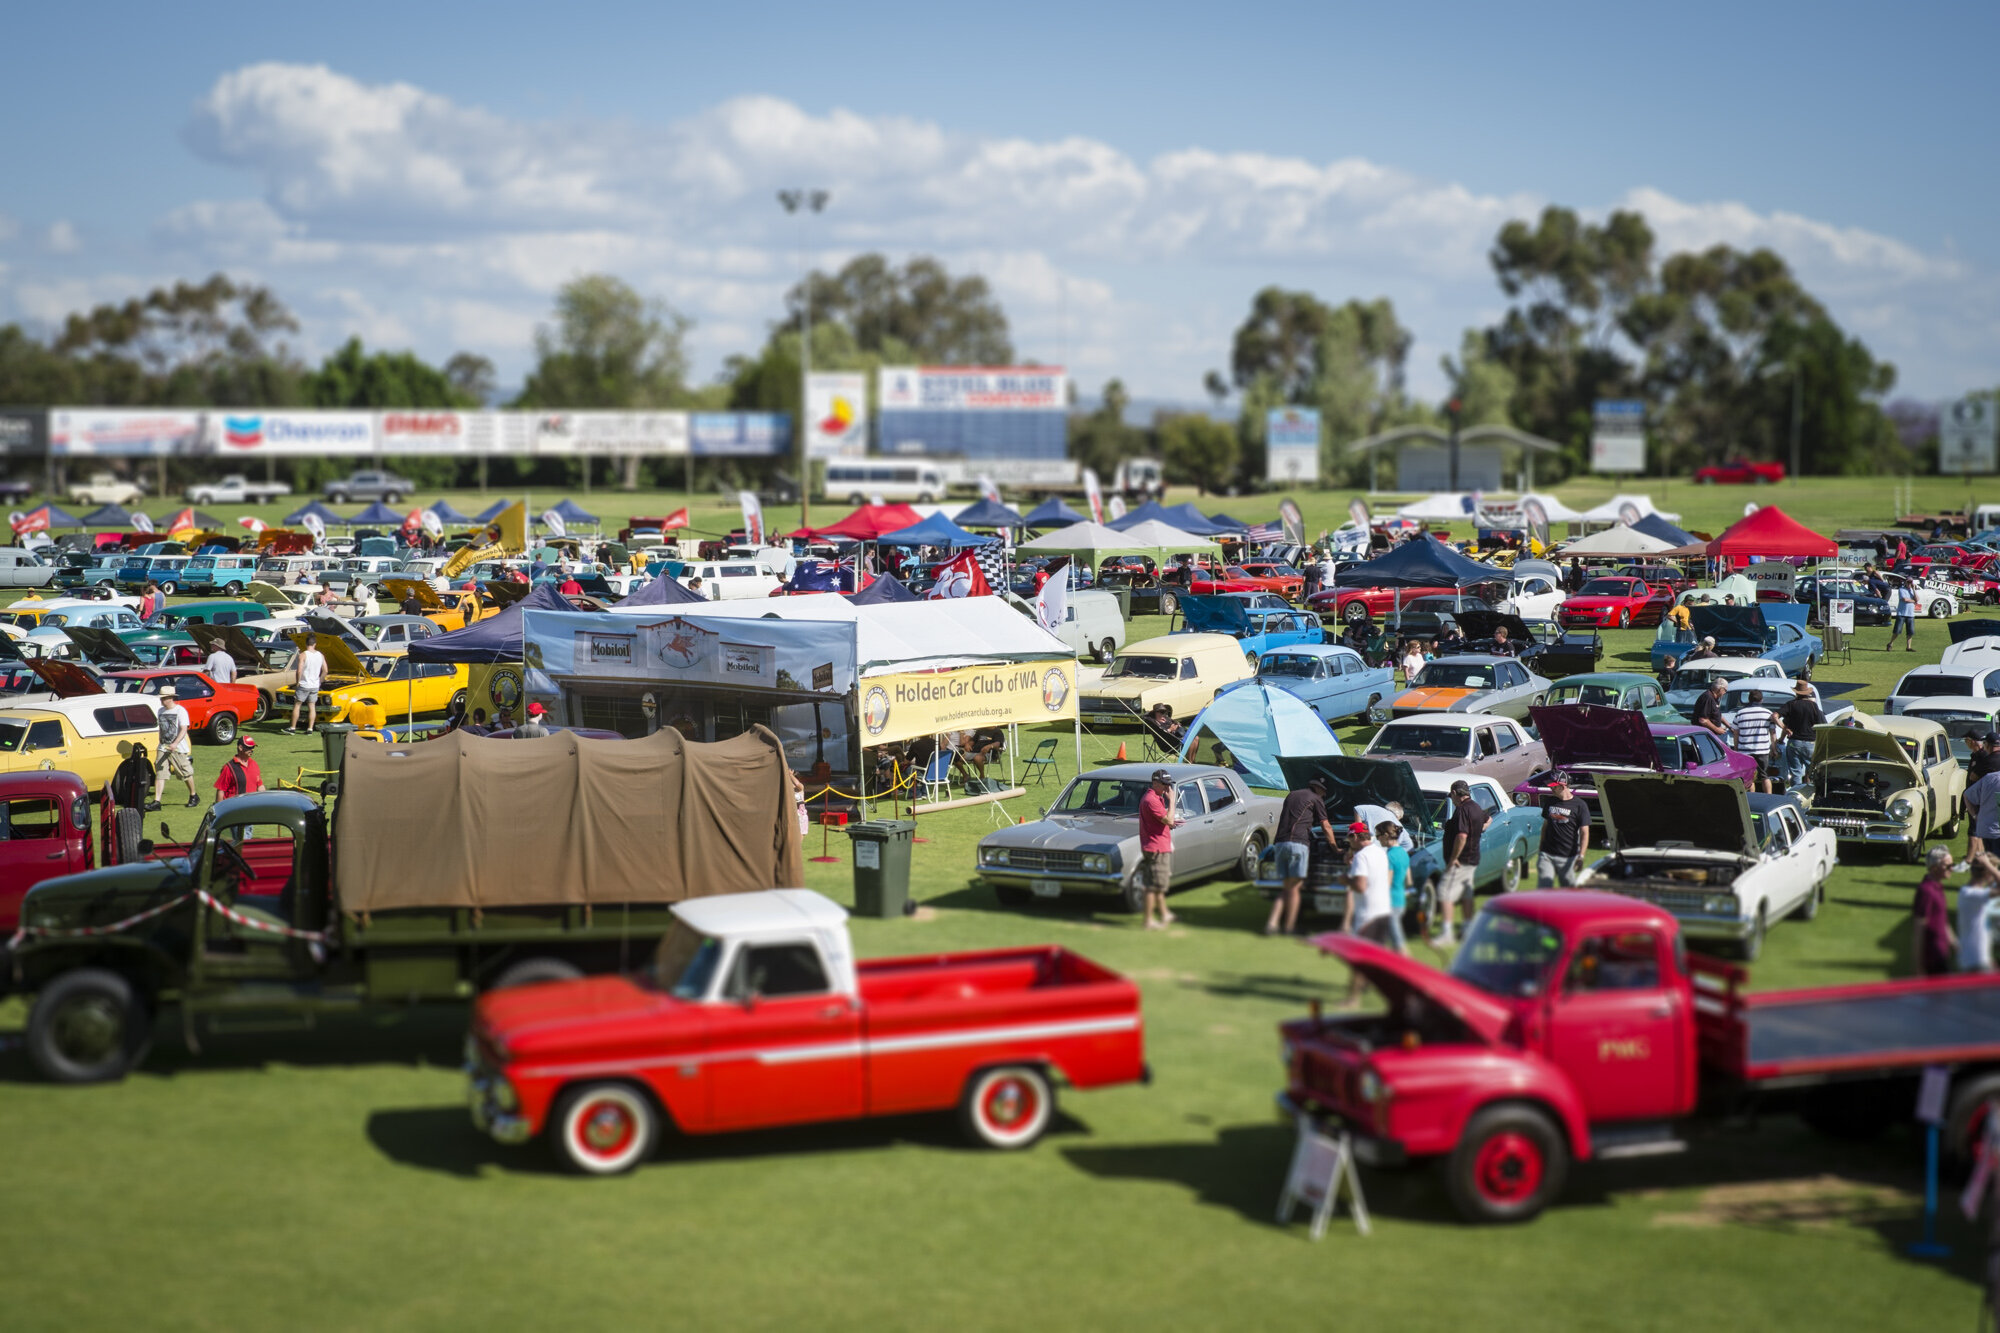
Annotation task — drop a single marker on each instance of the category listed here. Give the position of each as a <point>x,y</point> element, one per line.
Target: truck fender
<point>150,969</point>
<point>1546,1090</point>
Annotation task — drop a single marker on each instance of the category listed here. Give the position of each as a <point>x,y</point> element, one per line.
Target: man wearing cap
<point>534,726</point>
<point>1703,651</point>
<point>1461,857</point>
<point>1800,715</point>
<point>1303,811</point>
<point>1984,757</point>
<point>1157,822</point>
<point>240,776</point>
<point>1982,810</point>
<point>220,666</point>
<point>1368,894</point>
<point>1565,837</point>
<point>176,752</point>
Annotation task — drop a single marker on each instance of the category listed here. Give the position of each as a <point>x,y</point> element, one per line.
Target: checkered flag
<point>993,564</point>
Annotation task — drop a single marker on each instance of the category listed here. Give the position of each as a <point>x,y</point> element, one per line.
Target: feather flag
<point>962,578</point>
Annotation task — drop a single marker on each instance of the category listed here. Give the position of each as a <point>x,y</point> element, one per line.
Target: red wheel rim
<point>604,1128</point>
<point>1009,1103</point>
<point>1508,1168</point>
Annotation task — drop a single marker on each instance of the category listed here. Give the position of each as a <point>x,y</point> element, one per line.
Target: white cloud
<point>391,208</point>
<point>61,239</point>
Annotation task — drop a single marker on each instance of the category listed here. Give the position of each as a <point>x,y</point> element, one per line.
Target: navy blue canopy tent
<point>108,516</point>
<point>1227,523</point>
<point>937,530</point>
<point>59,518</point>
<point>573,514</point>
<point>1052,513</point>
<point>666,590</point>
<point>376,513</point>
<point>493,511</point>
<point>988,514</point>
<point>446,514</point>
<point>1655,526</point>
<point>1195,523</point>
<point>1150,509</point>
<point>884,589</point>
<point>1422,563</point>
<point>494,639</point>
<point>315,508</point>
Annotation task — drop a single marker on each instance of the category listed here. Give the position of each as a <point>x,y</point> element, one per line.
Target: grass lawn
<point>332,1180</point>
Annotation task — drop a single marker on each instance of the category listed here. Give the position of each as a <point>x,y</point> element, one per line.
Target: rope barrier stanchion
<point>825,819</point>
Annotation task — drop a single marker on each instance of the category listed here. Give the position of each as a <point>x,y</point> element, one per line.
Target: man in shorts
<point>308,673</point>
<point>1369,913</point>
<point>1565,837</point>
<point>1156,848</point>
<point>1303,811</point>
<point>1756,730</point>
<point>176,751</point>
<point>1461,858</point>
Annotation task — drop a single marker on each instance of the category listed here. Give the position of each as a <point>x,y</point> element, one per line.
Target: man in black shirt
<point>1303,811</point>
<point>1461,856</point>
<point>1565,837</point>
<point>1985,756</point>
<point>1800,715</point>
<point>1708,709</point>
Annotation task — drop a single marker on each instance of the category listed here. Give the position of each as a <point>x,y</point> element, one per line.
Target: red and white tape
<point>207,899</point>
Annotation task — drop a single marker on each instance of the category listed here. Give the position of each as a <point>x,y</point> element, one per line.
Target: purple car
<point>1585,741</point>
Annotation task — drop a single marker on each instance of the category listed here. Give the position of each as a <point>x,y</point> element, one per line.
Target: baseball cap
<point>1359,828</point>
<point>1317,783</point>
<point>1993,738</point>
<point>1161,775</point>
<point>1461,788</point>
<point>537,709</point>
<point>245,743</point>
<point>1559,781</point>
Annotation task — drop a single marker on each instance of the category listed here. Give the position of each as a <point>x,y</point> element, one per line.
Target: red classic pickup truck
<point>755,1014</point>
<point>1573,1025</point>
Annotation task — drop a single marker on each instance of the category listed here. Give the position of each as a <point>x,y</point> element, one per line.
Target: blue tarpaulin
<point>573,514</point>
<point>1247,728</point>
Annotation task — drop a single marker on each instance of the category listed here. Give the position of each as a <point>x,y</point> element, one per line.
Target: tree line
<point>1711,340</point>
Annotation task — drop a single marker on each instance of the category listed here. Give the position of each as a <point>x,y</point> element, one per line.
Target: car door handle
<point>55,856</point>
<point>833,1011</point>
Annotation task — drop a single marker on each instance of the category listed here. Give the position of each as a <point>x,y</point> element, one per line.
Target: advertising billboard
<point>837,415</point>
<point>740,434</point>
<point>291,433</point>
<point>1618,436</point>
<point>974,411</point>
<point>83,432</point>
<point>423,430</point>
<point>1291,446</point>
<point>1968,431</point>
<point>24,430</point>
<point>611,433</point>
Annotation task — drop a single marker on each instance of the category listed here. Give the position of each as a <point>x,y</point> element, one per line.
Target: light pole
<point>812,201</point>
<point>1798,385</point>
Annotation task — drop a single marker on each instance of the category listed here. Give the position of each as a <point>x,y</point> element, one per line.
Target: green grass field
<point>332,1180</point>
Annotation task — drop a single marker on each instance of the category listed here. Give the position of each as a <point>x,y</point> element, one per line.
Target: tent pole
<point>1079,741</point>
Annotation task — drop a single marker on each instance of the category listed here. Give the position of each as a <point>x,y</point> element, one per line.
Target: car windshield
<point>1101,796</point>
<point>1507,955</point>
<point>133,684</point>
<point>1607,588</point>
<point>1919,687</point>
<point>1958,727</point>
<point>1421,740</point>
<point>1454,675</point>
<point>1298,666</point>
<point>1693,679</point>
<point>686,961</point>
<point>13,735</point>
<point>1583,692</point>
<point>1162,668</point>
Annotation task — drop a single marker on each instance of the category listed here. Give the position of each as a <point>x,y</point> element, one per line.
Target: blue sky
<point>1126,176</point>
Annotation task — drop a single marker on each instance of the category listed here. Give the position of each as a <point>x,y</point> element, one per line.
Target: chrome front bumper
<point>486,1093</point>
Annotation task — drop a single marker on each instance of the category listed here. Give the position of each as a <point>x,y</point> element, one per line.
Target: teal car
<point>1631,690</point>
<point>1258,628</point>
<point>223,611</point>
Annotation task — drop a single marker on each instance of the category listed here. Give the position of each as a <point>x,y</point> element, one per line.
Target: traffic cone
<point>1121,752</point>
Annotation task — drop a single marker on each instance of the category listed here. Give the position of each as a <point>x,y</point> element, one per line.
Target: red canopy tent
<point>867,523</point>
<point>1769,532</point>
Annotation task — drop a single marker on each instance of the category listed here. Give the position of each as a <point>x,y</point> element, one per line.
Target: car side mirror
<point>166,834</point>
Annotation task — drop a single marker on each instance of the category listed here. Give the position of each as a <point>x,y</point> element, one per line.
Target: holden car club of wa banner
<point>901,705</point>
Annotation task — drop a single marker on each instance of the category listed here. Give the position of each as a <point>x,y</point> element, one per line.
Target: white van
<point>1093,629</point>
<point>860,482</point>
<point>730,580</point>
<point>24,569</point>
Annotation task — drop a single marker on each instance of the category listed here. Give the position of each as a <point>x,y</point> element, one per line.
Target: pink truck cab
<point>1574,1024</point>
<point>45,831</point>
<point>755,1013</point>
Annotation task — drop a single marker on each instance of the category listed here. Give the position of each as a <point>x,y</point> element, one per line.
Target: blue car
<point>1775,631</point>
<point>1259,629</point>
<point>1332,680</point>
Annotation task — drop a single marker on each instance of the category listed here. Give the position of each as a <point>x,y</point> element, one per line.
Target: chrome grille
<point>1039,858</point>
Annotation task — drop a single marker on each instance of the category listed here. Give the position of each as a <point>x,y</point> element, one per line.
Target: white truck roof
<point>769,912</point>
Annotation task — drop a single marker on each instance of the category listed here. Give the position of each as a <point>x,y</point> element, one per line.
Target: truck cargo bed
<point>1830,1031</point>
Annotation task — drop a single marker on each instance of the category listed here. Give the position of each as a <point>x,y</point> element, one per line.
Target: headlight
<point>1520,798</point>
<point>1373,1089</point>
<point>1286,1051</point>
<point>1900,808</point>
<point>993,856</point>
<point>1096,861</point>
<point>1719,904</point>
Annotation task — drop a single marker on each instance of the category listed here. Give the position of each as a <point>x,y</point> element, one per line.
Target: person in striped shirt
<point>1756,730</point>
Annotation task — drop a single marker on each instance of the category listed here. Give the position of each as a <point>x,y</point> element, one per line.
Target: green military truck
<point>451,867</point>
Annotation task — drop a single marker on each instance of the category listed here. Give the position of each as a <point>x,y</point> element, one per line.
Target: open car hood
<point>101,646</point>
<point>1353,780</point>
<point>340,659</point>
<point>401,587</point>
<point>1730,624</point>
<point>1834,741</point>
<point>1961,630</point>
<point>1709,813</point>
<point>1594,734</point>
<point>1480,622</point>
<point>1397,977</point>
<point>232,641</point>
<point>66,680</point>
<point>1215,615</point>
<point>269,594</point>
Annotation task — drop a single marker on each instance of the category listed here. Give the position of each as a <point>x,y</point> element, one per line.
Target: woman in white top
<point>1413,660</point>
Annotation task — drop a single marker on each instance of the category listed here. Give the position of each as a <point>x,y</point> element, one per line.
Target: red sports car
<point>1350,605</point>
<point>1207,580</point>
<point>1613,603</point>
<point>219,711</point>
<point>1740,472</point>
<point>1271,576</point>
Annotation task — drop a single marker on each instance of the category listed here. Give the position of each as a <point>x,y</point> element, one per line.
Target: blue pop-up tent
<point>573,514</point>
<point>987,514</point>
<point>495,639</point>
<point>887,588</point>
<point>317,510</point>
<point>376,513</point>
<point>1248,727</point>
<point>1051,513</point>
<point>493,511</point>
<point>1423,563</point>
<point>666,590</point>
<point>937,530</point>
<point>1655,526</point>
<point>446,514</point>
<point>1189,519</point>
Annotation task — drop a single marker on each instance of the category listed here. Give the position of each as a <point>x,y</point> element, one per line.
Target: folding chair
<point>1043,761</point>
<point>1836,643</point>
<point>937,776</point>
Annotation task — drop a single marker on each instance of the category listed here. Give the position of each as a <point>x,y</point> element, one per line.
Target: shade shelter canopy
<point>1618,540</point>
<point>1608,512</point>
<point>937,530</point>
<point>1656,525</point>
<point>1083,538</point>
<point>886,588</point>
<point>1423,563</point>
<point>1226,523</point>
<point>1189,519</point>
<point>666,590</point>
<point>868,523</point>
<point>58,518</point>
<point>316,510</point>
<point>1150,512</point>
<point>574,514</point>
<point>1052,513</point>
<point>492,511</point>
<point>1249,727</point>
<point>1769,532</point>
<point>1440,506</point>
<point>988,514</point>
<point>375,513</point>
<point>494,639</point>
<point>108,516</point>
<point>1153,535</point>
<point>446,514</point>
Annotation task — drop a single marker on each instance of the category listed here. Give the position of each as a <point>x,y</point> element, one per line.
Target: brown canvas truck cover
<point>471,822</point>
